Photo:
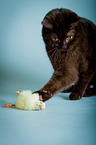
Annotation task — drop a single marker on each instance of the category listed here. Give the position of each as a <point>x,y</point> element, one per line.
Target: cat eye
<point>55,39</point>
<point>71,37</point>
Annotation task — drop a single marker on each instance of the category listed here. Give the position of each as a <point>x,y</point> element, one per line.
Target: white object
<point>28,101</point>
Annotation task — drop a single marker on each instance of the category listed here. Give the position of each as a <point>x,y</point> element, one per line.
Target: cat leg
<point>90,92</point>
<point>80,87</point>
<point>68,90</point>
<point>58,82</point>
<point>91,89</point>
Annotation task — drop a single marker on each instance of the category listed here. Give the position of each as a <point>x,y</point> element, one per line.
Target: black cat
<point>70,43</point>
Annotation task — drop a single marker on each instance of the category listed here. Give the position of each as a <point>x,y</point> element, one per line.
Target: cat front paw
<point>75,96</point>
<point>44,95</point>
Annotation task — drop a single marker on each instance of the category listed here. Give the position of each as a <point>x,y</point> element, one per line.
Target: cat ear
<point>75,24</point>
<point>47,24</point>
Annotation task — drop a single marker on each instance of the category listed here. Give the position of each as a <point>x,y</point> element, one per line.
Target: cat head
<point>59,29</point>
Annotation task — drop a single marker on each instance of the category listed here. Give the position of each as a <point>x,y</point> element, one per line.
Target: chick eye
<point>55,39</point>
<point>70,37</point>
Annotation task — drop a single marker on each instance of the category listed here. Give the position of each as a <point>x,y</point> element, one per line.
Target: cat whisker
<point>51,50</point>
<point>57,54</point>
<point>53,54</point>
<point>56,57</point>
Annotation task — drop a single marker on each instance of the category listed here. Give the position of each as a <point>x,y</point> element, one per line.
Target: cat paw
<point>75,96</point>
<point>44,95</point>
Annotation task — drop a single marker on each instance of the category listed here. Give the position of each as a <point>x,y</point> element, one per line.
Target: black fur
<point>71,46</point>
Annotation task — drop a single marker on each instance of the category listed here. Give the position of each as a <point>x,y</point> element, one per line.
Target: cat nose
<point>57,45</point>
<point>64,46</point>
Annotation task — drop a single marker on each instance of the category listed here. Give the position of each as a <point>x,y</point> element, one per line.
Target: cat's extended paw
<point>44,95</point>
<point>75,96</point>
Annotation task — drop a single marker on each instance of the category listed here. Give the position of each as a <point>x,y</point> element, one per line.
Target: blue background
<point>25,65</point>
